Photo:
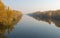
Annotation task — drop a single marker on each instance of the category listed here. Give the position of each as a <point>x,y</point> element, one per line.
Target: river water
<point>29,27</point>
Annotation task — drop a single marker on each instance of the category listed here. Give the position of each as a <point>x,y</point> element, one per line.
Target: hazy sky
<point>28,6</point>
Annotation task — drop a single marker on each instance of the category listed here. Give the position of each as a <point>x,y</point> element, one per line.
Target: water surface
<point>29,27</point>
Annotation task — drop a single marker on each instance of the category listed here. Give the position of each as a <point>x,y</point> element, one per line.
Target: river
<point>29,27</point>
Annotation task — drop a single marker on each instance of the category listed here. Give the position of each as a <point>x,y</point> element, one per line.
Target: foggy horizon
<point>27,6</point>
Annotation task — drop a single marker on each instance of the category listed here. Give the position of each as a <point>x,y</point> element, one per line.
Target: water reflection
<point>48,20</point>
<point>8,28</point>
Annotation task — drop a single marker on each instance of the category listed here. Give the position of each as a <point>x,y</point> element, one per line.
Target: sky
<point>30,6</point>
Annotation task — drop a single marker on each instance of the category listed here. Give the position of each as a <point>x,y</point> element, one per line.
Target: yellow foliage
<point>7,15</point>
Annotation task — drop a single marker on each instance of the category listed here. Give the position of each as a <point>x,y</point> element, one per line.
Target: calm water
<point>29,27</point>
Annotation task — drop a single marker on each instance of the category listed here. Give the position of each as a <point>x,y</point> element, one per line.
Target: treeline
<point>7,15</point>
<point>47,14</point>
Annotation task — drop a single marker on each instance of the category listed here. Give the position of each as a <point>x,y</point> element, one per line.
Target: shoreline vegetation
<point>8,16</point>
<point>8,19</point>
<point>47,16</point>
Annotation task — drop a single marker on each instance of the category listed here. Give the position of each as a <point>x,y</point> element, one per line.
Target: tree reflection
<point>10,27</point>
<point>8,18</point>
<point>49,19</point>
